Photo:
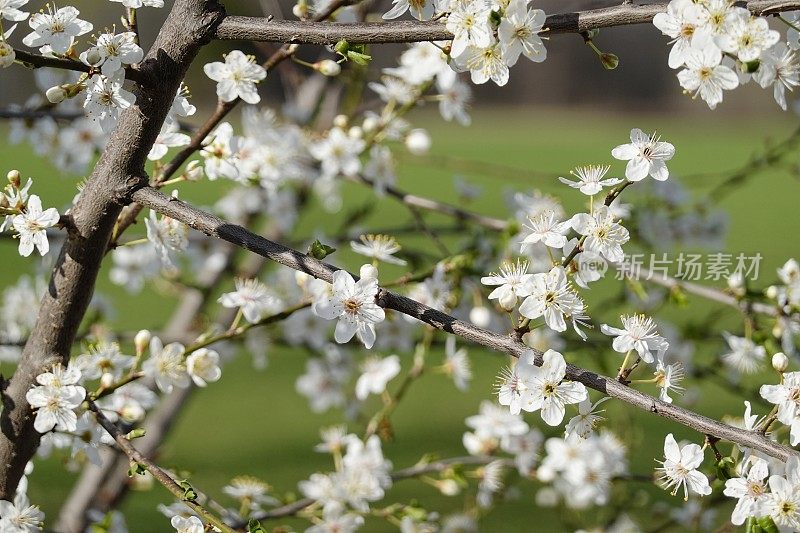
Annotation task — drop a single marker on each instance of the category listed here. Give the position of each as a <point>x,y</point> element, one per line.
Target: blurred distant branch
<point>288,31</point>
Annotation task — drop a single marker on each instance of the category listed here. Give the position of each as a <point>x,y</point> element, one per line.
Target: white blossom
<point>105,98</point>
<point>679,468</point>
<point>10,10</point>
<point>166,366</point>
<point>113,52</point>
<point>639,333</point>
<point>646,156</point>
<point>353,304</point>
<point>552,297</point>
<point>706,77</point>
<point>376,374</point>
<point>253,298</point>
<point>513,282</point>
<point>55,30</point>
<point>590,179</point>
<point>20,516</point>
<point>519,33</point>
<point>203,366</point>
<point>604,236</point>
<point>32,224</point>
<point>236,77</point>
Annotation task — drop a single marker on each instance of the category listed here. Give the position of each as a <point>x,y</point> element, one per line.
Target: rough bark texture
<point>291,31</point>
<point>214,226</point>
<point>119,172</point>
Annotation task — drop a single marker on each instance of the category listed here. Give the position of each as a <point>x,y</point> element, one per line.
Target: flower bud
<point>507,301</point>
<point>300,10</point>
<point>780,362</point>
<point>609,61</point>
<point>418,141</point>
<point>370,123</point>
<point>92,57</point>
<point>480,316</point>
<point>355,132</point>
<point>328,67</point>
<point>14,178</point>
<point>368,272</point>
<point>340,121</point>
<point>778,330</point>
<point>141,340</point>
<point>448,487</point>
<point>771,292</point>
<point>7,55</point>
<point>56,95</point>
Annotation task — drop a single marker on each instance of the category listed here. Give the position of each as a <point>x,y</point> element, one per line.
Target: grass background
<point>255,423</point>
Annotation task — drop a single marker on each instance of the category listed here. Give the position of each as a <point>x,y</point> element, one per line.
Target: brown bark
<point>116,176</point>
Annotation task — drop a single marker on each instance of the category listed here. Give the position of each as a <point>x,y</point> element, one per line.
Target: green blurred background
<point>255,423</point>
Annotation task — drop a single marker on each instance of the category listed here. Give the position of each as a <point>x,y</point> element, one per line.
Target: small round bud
<point>418,142</point>
<point>14,178</point>
<point>609,61</point>
<point>508,301</point>
<point>355,132</point>
<point>93,57</point>
<point>780,362</point>
<point>141,340</point>
<point>328,67</point>
<point>448,487</point>
<point>368,272</point>
<point>56,95</point>
<point>7,55</point>
<point>480,316</point>
<point>370,123</point>
<point>298,11</point>
<point>340,121</point>
<point>771,292</point>
<point>778,330</point>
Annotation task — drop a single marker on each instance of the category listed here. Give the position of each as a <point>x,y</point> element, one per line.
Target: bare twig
<point>162,477</point>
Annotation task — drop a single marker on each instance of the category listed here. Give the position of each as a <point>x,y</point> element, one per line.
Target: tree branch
<point>289,31</point>
<point>214,226</point>
<point>162,477</point>
<point>118,173</point>
<point>38,61</point>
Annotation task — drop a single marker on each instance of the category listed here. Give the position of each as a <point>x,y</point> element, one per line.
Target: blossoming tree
<point>516,286</point>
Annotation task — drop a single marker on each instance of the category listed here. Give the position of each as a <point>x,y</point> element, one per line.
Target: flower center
<point>352,306</point>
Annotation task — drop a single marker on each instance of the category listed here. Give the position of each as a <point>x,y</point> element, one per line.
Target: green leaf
<point>254,526</point>
<point>136,433</point>
<point>342,47</point>
<point>767,525</point>
<point>358,58</point>
<point>320,251</point>
<point>136,468</point>
<point>725,468</point>
<point>189,494</point>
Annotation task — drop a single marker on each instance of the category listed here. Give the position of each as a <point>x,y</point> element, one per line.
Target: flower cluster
<point>23,213</point>
<point>719,46</point>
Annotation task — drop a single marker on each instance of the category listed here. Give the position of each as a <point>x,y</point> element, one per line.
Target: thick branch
<point>214,226</point>
<point>290,31</point>
<point>118,173</point>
